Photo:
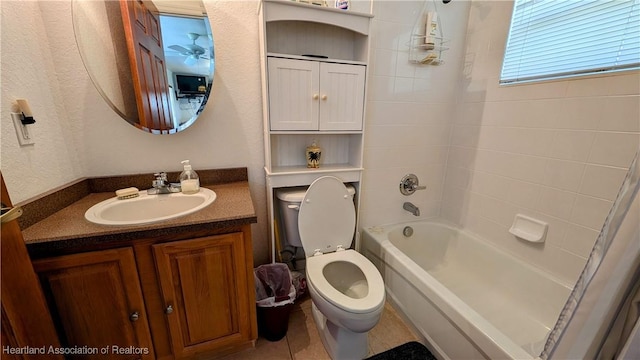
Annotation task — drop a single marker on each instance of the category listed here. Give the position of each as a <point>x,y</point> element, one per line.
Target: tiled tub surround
<point>409,111</point>
<point>469,299</point>
<point>555,150</point>
<point>55,223</point>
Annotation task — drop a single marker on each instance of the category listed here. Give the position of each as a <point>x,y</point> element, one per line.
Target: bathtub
<point>467,298</point>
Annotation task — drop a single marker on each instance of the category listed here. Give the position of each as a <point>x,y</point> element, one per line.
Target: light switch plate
<point>25,137</point>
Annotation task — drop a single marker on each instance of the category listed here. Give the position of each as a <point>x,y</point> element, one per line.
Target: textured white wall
<point>28,71</point>
<point>409,112</point>
<point>556,150</point>
<point>78,135</point>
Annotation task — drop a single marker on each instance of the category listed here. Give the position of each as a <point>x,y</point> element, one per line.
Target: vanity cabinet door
<point>204,286</point>
<point>96,301</point>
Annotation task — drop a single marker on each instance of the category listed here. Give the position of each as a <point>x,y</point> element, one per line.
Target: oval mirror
<point>152,61</point>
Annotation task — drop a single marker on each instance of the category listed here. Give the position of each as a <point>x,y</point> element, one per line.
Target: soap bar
<point>127,193</point>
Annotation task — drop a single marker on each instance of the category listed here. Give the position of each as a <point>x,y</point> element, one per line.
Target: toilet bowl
<point>346,289</point>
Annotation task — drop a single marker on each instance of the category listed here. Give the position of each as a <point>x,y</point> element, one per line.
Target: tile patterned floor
<point>303,341</point>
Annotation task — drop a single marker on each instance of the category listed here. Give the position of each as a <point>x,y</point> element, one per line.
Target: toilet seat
<point>326,223</point>
<point>371,302</point>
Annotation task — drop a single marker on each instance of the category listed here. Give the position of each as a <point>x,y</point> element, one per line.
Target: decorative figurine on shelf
<point>313,155</point>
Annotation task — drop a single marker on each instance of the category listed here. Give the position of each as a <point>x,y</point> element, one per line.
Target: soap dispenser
<point>189,181</point>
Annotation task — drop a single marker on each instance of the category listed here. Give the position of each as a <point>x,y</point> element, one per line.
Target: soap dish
<point>529,229</point>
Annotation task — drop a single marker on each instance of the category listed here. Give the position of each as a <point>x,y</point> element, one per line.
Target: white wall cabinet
<point>314,95</point>
<point>314,63</point>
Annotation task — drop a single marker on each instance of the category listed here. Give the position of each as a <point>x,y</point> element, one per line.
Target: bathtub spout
<point>411,208</point>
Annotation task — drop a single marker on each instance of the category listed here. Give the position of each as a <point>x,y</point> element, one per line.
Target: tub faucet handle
<point>409,184</point>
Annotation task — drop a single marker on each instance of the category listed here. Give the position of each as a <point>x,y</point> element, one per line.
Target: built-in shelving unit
<point>314,64</point>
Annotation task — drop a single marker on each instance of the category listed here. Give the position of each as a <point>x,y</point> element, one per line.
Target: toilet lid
<point>327,216</point>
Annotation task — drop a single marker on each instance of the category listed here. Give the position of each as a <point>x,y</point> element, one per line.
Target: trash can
<point>275,294</point>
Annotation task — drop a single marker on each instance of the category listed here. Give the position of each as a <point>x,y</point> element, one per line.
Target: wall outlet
<point>25,137</point>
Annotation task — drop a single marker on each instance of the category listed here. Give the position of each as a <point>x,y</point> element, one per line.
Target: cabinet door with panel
<point>341,96</point>
<point>204,286</point>
<point>293,94</point>
<point>96,301</point>
<point>312,95</point>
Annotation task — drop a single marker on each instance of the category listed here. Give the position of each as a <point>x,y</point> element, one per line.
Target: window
<point>553,38</point>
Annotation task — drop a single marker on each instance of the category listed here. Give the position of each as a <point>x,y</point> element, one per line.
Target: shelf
<point>312,58</point>
<point>291,170</point>
<point>339,151</point>
<point>417,42</point>
<point>426,54</point>
<point>315,132</point>
<point>283,176</point>
<point>284,10</point>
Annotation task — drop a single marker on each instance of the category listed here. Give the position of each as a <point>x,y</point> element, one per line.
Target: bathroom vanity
<point>175,289</point>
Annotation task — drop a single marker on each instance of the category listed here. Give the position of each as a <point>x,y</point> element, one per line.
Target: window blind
<point>553,38</point>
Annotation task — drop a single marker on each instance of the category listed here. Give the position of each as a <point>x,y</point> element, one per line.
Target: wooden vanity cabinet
<point>96,301</point>
<point>182,297</point>
<point>204,288</point>
<point>22,306</point>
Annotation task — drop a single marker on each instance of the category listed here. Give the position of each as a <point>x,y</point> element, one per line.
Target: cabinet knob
<point>324,97</point>
<point>315,96</point>
<point>168,310</point>
<point>134,316</point>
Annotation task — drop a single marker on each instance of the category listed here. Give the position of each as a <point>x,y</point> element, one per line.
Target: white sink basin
<point>146,209</point>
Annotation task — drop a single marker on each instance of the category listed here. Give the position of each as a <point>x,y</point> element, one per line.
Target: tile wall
<point>556,151</point>
<point>409,111</point>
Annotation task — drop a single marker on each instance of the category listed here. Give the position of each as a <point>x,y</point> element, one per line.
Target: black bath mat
<point>409,351</point>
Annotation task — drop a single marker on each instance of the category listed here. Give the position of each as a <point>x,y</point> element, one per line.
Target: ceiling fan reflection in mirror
<point>193,51</point>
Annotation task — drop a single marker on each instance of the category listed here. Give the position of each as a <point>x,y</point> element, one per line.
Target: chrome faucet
<point>411,208</point>
<point>161,185</point>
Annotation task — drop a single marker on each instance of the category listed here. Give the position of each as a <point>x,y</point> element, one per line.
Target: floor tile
<point>264,350</point>
<point>302,341</point>
<point>390,332</point>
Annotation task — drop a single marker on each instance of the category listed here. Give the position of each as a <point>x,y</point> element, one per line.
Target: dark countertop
<point>68,228</point>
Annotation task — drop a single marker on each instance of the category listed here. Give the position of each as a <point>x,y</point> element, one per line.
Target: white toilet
<point>346,289</point>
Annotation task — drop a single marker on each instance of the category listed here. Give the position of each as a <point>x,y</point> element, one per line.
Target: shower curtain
<point>622,326</point>
<point>605,302</point>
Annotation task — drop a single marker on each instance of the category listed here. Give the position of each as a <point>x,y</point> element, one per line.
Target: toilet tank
<point>289,200</point>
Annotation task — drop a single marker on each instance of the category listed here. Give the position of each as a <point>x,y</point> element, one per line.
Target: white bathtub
<point>468,299</point>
